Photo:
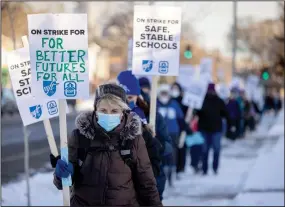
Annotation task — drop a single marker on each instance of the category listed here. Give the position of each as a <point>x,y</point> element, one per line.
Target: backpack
<point>84,148</point>
<point>125,148</point>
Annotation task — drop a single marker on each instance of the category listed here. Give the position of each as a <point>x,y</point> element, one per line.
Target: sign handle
<point>183,133</point>
<point>25,41</point>
<point>26,163</point>
<point>153,101</point>
<point>64,150</point>
<point>50,137</point>
<point>26,147</point>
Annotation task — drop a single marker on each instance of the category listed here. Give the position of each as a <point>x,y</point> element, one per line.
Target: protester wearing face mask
<point>132,88</point>
<point>177,95</point>
<point>173,115</point>
<point>161,132</point>
<point>115,169</point>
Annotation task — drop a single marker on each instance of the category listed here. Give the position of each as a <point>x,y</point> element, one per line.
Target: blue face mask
<point>109,121</point>
<point>132,105</point>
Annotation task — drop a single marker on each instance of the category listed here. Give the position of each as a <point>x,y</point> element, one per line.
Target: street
<point>13,145</point>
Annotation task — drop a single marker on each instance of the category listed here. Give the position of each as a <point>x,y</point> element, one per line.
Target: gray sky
<point>216,18</point>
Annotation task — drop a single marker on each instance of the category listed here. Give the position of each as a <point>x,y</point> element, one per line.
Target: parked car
<point>8,102</point>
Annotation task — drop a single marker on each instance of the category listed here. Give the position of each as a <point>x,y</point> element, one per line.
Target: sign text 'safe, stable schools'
<point>156,40</point>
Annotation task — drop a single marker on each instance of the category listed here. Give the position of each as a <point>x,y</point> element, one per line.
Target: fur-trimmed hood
<point>130,127</point>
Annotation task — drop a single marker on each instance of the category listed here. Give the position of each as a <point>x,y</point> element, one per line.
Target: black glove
<point>53,160</point>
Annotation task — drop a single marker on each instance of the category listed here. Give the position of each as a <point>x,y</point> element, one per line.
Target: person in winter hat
<point>132,88</point>
<point>103,176</point>
<point>128,81</point>
<point>173,115</point>
<point>210,125</point>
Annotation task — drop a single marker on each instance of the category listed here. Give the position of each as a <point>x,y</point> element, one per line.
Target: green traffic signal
<point>188,54</point>
<point>265,75</point>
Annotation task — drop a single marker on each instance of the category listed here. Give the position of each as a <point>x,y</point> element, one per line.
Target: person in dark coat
<point>132,88</point>
<point>162,135</point>
<point>177,95</point>
<point>210,126</point>
<point>235,114</point>
<point>104,179</point>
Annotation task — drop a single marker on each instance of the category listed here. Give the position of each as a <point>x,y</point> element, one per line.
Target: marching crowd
<point>117,159</point>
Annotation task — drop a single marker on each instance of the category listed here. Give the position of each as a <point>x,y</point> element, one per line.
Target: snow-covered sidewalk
<point>265,183</point>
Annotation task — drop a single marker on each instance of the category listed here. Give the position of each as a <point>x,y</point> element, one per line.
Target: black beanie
<point>110,89</point>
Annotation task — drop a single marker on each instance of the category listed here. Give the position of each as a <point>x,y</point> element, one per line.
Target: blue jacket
<point>234,109</point>
<point>172,114</point>
<point>140,113</point>
<point>162,134</point>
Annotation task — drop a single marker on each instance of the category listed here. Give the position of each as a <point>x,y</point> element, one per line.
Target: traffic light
<point>265,74</point>
<point>188,52</point>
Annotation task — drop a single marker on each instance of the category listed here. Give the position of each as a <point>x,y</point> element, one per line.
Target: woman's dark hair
<point>143,106</point>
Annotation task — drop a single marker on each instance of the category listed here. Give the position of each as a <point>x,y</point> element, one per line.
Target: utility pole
<point>234,37</point>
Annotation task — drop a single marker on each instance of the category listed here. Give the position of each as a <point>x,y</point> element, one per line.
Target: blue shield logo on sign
<point>49,87</point>
<point>163,67</point>
<point>147,65</point>
<point>36,111</point>
<point>70,89</point>
<point>52,107</point>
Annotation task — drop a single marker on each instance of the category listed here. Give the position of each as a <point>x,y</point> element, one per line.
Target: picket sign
<point>72,82</point>
<point>47,125</point>
<point>159,56</point>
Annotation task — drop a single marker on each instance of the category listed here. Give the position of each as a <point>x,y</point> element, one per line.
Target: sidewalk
<point>265,183</point>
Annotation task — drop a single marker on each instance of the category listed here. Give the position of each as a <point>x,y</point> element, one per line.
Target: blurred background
<point>246,38</point>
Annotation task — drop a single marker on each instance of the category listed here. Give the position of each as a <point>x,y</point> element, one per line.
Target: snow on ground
<point>237,159</point>
<point>260,199</point>
<point>269,169</point>
<point>278,128</point>
<point>43,192</point>
<point>265,183</point>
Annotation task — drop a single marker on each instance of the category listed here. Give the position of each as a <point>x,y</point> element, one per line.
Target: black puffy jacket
<point>211,114</point>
